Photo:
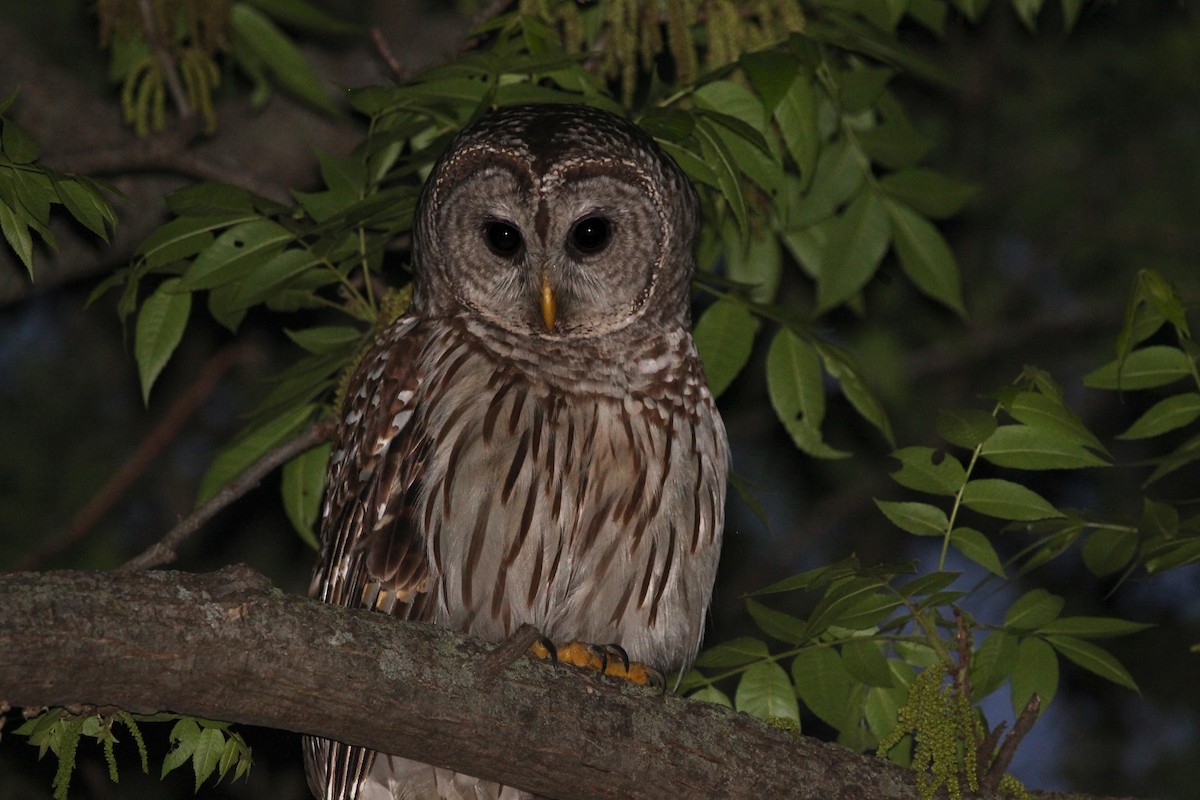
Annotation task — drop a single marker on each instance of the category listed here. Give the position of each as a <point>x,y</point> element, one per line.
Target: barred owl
<point>534,441</point>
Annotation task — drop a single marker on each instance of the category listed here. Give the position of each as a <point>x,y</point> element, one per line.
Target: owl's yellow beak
<point>549,304</point>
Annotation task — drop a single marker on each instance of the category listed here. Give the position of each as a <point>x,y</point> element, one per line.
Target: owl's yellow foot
<point>608,659</point>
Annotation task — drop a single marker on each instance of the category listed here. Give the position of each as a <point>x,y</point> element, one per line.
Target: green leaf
<point>724,336</point>
<point>1145,368</point>
<point>864,659</point>
<point>1024,447</point>
<point>929,193</point>
<point>179,239</point>
<point>1035,608</point>
<point>765,692</point>
<point>1035,671</point>
<point>776,624</point>
<point>160,327</point>
<point>300,14</point>
<point>711,694</point>
<point>324,338</point>
<point>1108,550</point>
<point>924,469</point>
<point>1044,412</point>
<point>867,611</point>
<point>728,176</point>
<point>920,519</point>
<point>733,101</point>
<point>771,74</point>
<point>86,205</point>
<point>757,262</point>
<point>882,707</point>
<point>858,238</point>
<point>1171,554</point>
<point>925,257</point>
<point>993,662</point>
<point>185,735</point>
<point>967,428</point>
<point>838,176</point>
<point>797,118</point>
<point>1028,10</point>
<point>249,447</point>
<point>208,199</point>
<point>823,685</point>
<point>733,653</point>
<point>797,393</point>
<point>209,748</point>
<point>303,482</point>
<point>1165,416</point>
<point>16,232</point>
<point>19,145</point>
<point>1181,456</point>
<point>235,254</point>
<point>1092,627</point>
<point>1094,659</point>
<point>842,368</point>
<point>285,61</point>
<point>269,279</point>
<point>847,602</point>
<point>975,546</point>
<point>1007,500</point>
<point>859,89</point>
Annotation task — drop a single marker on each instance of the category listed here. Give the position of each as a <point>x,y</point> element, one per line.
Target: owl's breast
<point>593,516</point>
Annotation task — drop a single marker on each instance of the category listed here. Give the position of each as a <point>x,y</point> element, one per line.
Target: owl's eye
<point>591,235</point>
<point>502,238</point>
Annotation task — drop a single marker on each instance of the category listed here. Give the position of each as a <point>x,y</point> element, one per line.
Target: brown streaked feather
<point>373,552</point>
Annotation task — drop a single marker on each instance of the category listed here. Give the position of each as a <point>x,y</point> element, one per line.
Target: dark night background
<point>1086,148</point>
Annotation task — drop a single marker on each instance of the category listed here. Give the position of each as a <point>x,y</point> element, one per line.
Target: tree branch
<point>164,550</point>
<point>228,646</point>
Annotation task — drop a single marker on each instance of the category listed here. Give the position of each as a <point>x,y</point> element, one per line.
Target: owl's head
<point>556,221</point>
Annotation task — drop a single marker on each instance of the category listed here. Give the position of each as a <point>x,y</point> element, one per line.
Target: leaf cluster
<point>157,44</point>
<point>29,191</point>
<point>208,745</point>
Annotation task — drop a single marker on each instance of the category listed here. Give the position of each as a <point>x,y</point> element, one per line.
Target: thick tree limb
<point>228,646</point>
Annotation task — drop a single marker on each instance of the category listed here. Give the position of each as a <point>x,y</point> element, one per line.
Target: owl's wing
<point>373,553</point>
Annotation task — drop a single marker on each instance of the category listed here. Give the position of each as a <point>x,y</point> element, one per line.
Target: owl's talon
<point>609,659</point>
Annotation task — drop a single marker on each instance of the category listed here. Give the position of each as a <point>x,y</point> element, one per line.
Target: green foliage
<point>28,191</point>
<point>175,47</point>
<point>868,631</point>
<point>208,745</point>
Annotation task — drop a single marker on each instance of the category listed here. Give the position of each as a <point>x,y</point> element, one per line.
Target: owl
<point>533,442</point>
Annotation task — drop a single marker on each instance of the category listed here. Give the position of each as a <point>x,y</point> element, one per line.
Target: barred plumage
<point>534,442</point>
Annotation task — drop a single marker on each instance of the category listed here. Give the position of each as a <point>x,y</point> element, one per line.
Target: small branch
<point>1008,749</point>
<point>385,54</point>
<point>152,445</point>
<point>507,653</point>
<point>164,551</point>
<point>163,56</point>
<point>166,152</point>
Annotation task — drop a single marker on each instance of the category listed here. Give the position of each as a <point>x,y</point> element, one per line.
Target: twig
<point>385,53</point>
<point>152,445</point>
<point>165,62</point>
<point>164,551</point>
<point>166,153</point>
<point>513,648</point>
<point>1005,754</point>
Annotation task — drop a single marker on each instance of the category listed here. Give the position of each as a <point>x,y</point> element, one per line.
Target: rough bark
<point>228,646</point>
